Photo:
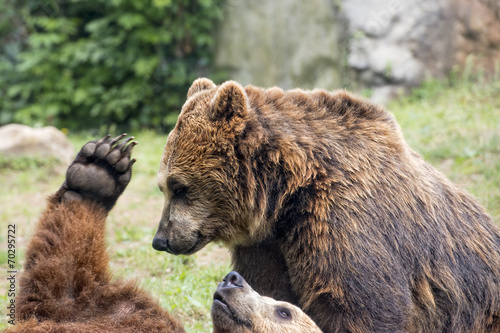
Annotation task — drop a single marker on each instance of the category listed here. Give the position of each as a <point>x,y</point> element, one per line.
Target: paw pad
<point>101,171</point>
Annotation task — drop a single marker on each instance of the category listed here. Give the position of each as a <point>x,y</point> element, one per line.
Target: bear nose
<point>232,280</point>
<point>160,244</point>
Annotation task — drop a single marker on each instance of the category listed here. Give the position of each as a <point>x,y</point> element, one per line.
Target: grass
<point>455,126</point>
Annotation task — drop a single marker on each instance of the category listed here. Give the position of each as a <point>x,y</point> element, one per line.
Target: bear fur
<point>67,286</point>
<point>237,308</point>
<point>323,204</point>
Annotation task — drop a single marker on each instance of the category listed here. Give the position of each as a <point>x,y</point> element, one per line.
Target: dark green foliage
<point>93,63</point>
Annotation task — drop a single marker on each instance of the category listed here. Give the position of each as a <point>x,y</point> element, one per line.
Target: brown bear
<point>237,308</point>
<point>323,204</point>
<point>67,286</point>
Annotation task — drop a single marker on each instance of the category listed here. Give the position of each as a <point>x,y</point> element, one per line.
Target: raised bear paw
<point>100,172</point>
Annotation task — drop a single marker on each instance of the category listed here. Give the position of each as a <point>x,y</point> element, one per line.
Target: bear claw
<point>100,172</point>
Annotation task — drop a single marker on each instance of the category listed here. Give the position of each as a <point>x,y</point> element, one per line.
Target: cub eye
<point>284,313</point>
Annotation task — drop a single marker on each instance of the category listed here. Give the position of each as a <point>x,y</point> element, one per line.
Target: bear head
<point>204,199</point>
<point>237,308</point>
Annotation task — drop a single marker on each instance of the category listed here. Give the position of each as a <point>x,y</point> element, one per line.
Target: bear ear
<point>229,101</point>
<point>200,85</point>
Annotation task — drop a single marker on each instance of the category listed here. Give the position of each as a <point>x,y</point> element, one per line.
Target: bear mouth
<point>221,302</point>
<point>198,244</point>
<point>221,305</point>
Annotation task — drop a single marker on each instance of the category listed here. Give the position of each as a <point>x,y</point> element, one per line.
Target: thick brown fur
<point>324,204</point>
<point>66,285</point>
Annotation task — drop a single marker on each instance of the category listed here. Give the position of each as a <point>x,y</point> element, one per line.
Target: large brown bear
<point>67,286</point>
<point>322,203</point>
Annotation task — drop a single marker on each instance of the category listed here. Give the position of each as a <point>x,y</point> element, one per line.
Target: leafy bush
<point>81,64</point>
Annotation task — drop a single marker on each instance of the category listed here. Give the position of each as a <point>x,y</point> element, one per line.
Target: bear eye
<point>178,189</point>
<point>180,192</point>
<point>284,313</point>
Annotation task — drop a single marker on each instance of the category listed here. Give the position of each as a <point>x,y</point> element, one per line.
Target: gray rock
<point>21,140</point>
<point>287,43</point>
<point>358,43</point>
<point>384,94</point>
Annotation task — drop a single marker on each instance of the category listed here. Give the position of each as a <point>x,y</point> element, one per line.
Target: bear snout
<point>232,280</point>
<point>231,284</point>
<point>229,307</point>
<point>176,243</point>
<point>160,244</point>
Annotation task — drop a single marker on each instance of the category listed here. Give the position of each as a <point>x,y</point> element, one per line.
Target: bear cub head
<point>237,308</point>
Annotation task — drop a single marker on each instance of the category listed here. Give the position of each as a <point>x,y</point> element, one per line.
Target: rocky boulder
<point>286,42</point>
<point>377,44</point>
<point>21,140</point>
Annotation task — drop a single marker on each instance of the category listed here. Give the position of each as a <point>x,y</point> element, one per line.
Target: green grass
<point>456,127</point>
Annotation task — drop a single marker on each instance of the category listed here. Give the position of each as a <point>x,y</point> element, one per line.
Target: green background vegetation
<point>85,64</point>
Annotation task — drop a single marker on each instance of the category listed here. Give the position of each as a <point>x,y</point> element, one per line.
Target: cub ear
<point>229,101</point>
<point>200,85</point>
